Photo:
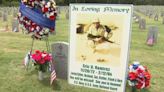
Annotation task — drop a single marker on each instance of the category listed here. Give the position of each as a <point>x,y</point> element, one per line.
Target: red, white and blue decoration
<point>38,17</point>
<point>139,76</point>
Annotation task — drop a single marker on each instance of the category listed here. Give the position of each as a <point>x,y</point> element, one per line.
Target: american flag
<point>53,73</point>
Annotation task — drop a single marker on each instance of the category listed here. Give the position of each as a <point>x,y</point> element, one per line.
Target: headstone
<point>0,14</point>
<point>15,25</point>
<point>58,10</point>
<point>163,20</point>
<point>156,17</point>
<point>15,13</point>
<point>6,27</point>
<point>67,15</point>
<point>162,14</point>
<point>152,35</point>
<point>150,15</point>
<point>142,24</point>
<point>60,58</point>
<point>137,19</point>
<point>147,13</point>
<point>4,16</point>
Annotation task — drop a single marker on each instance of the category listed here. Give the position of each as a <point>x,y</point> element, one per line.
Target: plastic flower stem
<point>143,90</point>
<point>133,89</point>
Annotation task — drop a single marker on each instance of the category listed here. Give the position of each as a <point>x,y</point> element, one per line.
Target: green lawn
<point>14,46</point>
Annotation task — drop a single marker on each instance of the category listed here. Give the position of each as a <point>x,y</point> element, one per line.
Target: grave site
<point>146,47</point>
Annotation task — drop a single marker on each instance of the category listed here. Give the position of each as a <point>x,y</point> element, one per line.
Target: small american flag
<point>53,73</point>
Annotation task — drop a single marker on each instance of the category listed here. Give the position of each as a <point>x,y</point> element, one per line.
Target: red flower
<point>36,57</point>
<point>37,52</point>
<point>48,58</point>
<point>42,61</point>
<point>52,17</point>
<point>147,75</point>
<point>140,85</point>
<point>132,76</point>
<point>45,9</point>
<point>41,57</point>
<point>147,83</point>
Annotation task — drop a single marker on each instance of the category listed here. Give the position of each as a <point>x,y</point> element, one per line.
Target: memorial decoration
<point>37,17</point>
<point>139,76</point>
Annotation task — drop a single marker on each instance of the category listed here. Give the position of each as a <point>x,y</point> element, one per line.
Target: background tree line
<point>66,2</point>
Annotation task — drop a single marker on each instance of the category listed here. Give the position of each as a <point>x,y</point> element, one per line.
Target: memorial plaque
<point>98,59</point>
<point>60,59</point>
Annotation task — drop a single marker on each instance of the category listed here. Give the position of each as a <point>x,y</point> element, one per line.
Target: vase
<point>40,75</point>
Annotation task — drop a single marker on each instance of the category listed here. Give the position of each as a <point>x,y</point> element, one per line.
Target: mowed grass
<point>14,46</point>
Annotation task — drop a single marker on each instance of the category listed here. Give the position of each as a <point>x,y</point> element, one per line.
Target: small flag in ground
<point>53,74</point>
<point>26,60</point>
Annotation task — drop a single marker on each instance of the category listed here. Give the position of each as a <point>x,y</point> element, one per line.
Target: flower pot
<point>40,75</point>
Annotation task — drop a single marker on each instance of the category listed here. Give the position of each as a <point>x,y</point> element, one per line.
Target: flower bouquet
<point>139,76</point>
<point>42,62</point>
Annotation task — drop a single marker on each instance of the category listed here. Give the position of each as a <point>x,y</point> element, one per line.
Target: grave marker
<point>60,59</point>
<point>152,35</point>
<point>15,25</point>
<point>156,17</point>
<point>4,18</point>
<point>142,24</point>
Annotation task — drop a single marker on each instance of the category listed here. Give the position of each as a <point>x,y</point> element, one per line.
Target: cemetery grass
<point>14,46</point>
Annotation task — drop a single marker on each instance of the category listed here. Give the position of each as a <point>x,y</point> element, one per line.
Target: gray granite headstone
<point>58,10</point>
<point>162,14</point>
<point>150,15</point>
<point>153,33</point>
<point>156,17</point>
<point>137,19</point>
<point>67,15</point>
<point>60,59</point>
<point>15,13</point>
<point>4,18</point>
<point>0,14</point>
<point>6,27</point>
<point>142,24</point>
<point>15,25</point>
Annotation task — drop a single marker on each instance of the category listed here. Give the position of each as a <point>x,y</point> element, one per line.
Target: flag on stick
<point>53,73</point>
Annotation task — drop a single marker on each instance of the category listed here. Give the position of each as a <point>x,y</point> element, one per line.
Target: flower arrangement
<point>139,76</point>
<point>42,60</point>
<point>37,17</point>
